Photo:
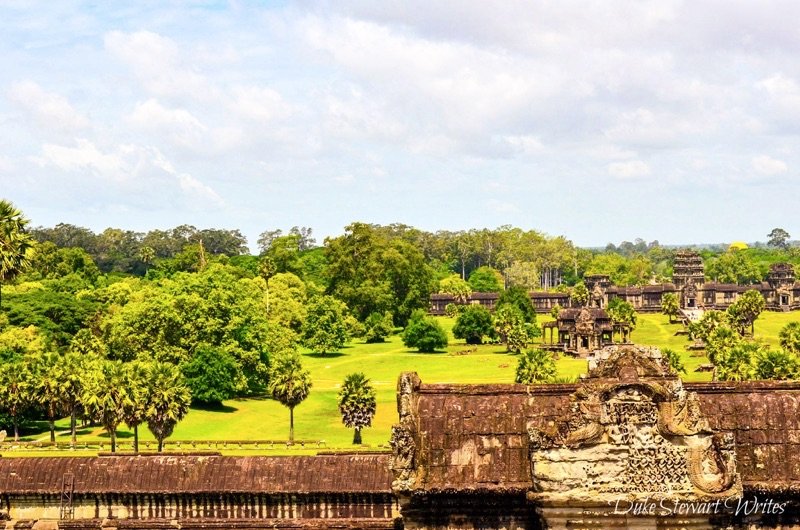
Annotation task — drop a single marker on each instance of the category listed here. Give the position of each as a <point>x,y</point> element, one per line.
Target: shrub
<point>472,324</point>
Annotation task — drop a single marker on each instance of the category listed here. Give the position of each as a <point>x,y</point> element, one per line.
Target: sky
<point>603,121</point>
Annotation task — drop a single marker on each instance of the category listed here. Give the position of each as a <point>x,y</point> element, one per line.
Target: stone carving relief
<point>403,440</point>
<point>632,430</point>
<point>598,296</point>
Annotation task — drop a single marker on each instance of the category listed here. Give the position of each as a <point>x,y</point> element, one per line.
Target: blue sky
<point>600,121</point>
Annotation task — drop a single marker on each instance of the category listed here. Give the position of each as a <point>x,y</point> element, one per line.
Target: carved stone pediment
<point>634,431</point>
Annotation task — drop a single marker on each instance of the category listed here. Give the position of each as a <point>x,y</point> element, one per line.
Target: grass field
<point>318,418</point>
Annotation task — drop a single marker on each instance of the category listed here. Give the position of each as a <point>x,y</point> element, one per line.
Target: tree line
<point>196,301</point>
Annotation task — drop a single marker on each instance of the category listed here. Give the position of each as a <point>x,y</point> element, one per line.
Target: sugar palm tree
<point>535,366</point>
<point>135,409</point>
<point>289,383</point>
<point>168,400</point>
<point>790,337</point>
<point>47,386</point>
<point>72,382</point>
<point>15,392</point>
<point>357,403</point>
<point>105,397</point>
<point>15,244</point>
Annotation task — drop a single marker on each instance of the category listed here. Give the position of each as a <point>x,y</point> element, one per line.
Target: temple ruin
<point>781,291</point>
<point>629,446</point>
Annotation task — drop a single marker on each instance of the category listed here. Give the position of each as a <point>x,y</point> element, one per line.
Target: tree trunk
<point>357,436</point>
<point>52,431</point>
<point>291,425</point>
<point>73,420</point>
<point>16,430</point>
<point>160,445</point>
<point>113,440</point>
<point>135,438</point>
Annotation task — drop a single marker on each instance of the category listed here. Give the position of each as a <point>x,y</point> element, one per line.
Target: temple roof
<point>346,473</point>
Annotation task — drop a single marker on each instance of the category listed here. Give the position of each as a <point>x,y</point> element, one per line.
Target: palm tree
<point>15,244</point>
<point>776,364</point>
<point>790,337</point>
<point>357,404</point>
<point>737,363</point>
<point>46,386</point>
<point>105,397</point>
<point>670,306</point>
<point>15,393</point>
<point>73,376</point>
<point>289,383</point>
<point>135,408</point>
<point>535,366</point>
<point>168,400</point>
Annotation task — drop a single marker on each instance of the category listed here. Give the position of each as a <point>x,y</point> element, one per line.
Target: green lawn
<point>318,418</point>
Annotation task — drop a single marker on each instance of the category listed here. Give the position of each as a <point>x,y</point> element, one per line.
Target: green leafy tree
<point>357,404</point>
<point>670,306</point>
<point>287,301</point>
<point>457,287</point>
<point>60,315</point>
<point>211,375</point>
<point>372,270</point>
<point>289,383</point>
<point>674,360</point>
<point>168,400</point>
<point>134,410</point>
<point>472,324</point>
<point>789,337</point>
<point>535,366</point>
<point>776,364</point>
<point>555,311</point>
<point>622,312</point>
<point>778,238</point>
<point>15,244</point>
<point>424,333</point>
<point>523,274</point>
<point>520,298</point>
<point>377,327</point>
<point>486,280</point>
<point>579,294</point>
<point>734,266</point>
<point>284,251</point>
<point>745,310</point>
<point>511,328</point>
<point>105,397</point>
<point>325,328</point>
<point>15,391</point>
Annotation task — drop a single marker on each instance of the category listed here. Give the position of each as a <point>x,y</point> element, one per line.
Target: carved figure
<point>632,429</point>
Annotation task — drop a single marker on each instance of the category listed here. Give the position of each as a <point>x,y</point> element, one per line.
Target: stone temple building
<point>781,291</point>
<point>629,446</point>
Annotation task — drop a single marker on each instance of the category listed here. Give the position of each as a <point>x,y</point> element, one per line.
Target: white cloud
<point>157,62</point>
<point>766,165</point>
<point>628,170</point>
<point>85,155</point>
<point>48,109</point>
<point>258,103</point>
<point>525,144</point>
<point>142,174</point>
<point>178,125</point>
